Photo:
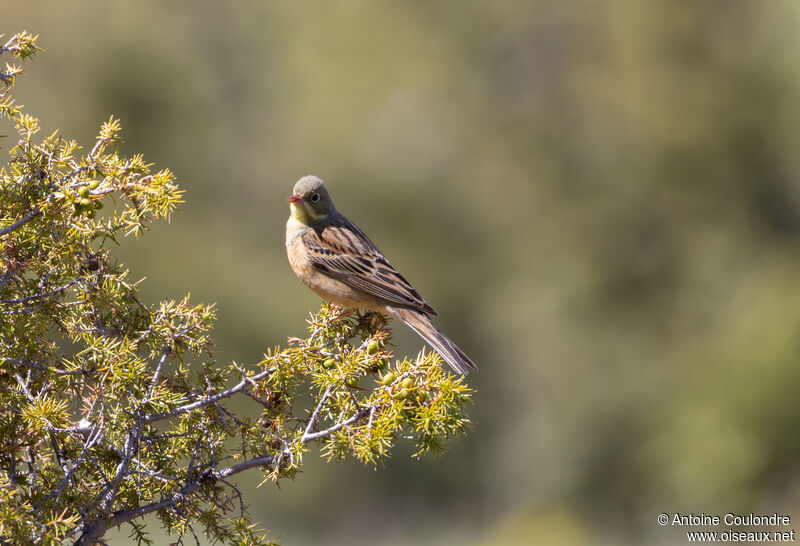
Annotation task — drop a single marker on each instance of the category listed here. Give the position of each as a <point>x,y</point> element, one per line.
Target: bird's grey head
<point>310,201</point>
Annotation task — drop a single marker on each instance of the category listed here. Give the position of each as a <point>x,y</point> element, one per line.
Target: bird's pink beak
<point>295,198</point>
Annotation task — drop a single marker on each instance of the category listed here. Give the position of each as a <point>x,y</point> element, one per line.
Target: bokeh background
<point>602,199</point>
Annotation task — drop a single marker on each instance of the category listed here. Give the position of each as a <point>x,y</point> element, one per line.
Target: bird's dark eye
<point>315,198</point>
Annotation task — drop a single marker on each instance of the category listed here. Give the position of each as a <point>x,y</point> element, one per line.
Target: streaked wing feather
<point>340,249</point>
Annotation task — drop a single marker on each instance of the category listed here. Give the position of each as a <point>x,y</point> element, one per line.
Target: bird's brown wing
<point>342,251</point>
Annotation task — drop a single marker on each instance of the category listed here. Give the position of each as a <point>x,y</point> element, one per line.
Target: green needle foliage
<point>111,409</point>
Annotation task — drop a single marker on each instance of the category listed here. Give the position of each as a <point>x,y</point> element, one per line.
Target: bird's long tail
<point>422,325</point>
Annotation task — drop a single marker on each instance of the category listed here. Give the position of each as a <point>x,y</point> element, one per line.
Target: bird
<point>336,260</point>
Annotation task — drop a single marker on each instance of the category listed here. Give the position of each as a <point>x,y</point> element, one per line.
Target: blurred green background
<point>602,199</point>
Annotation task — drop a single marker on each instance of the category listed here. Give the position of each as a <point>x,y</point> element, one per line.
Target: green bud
<point>90,214</point>
<point>388,378</point>
<point>83,191</point>
<point>407,383</point>
<point>94,184</point>
<point>352,382</point>
<point>86,202</point>
<point>373,347</point>
<point>329,363</point>
<point>98,204</point>
<point>403,394</point>
<point>381,364</point>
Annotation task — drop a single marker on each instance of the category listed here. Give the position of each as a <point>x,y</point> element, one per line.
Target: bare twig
<point>314,416</point>
<point>46,294</point>
<point>371,416</point>
<point>338,426</point>
<point>9,44</point>
<point>191,486</point>
<point>157,373</point>
<point>94,437</point>
<point>24,385</point>
<point>39,366</point>
<point>131,446</point>
<point>21,222</point>
<point>93,531</point>
<point>239,387</point>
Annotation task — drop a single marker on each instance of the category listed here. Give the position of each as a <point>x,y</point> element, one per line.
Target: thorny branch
<point>190,487</point>
<point>92,531</point>
<point>31,214</point>
<point>94,436</point>
<point>99,428</point>
<point>43,295</point>
<point>338,426</point>
<point>21,222</point>
<point>239,387</point>
<point>314,416</point>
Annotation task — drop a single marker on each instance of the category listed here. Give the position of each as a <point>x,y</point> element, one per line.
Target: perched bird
<point>337,261</point>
